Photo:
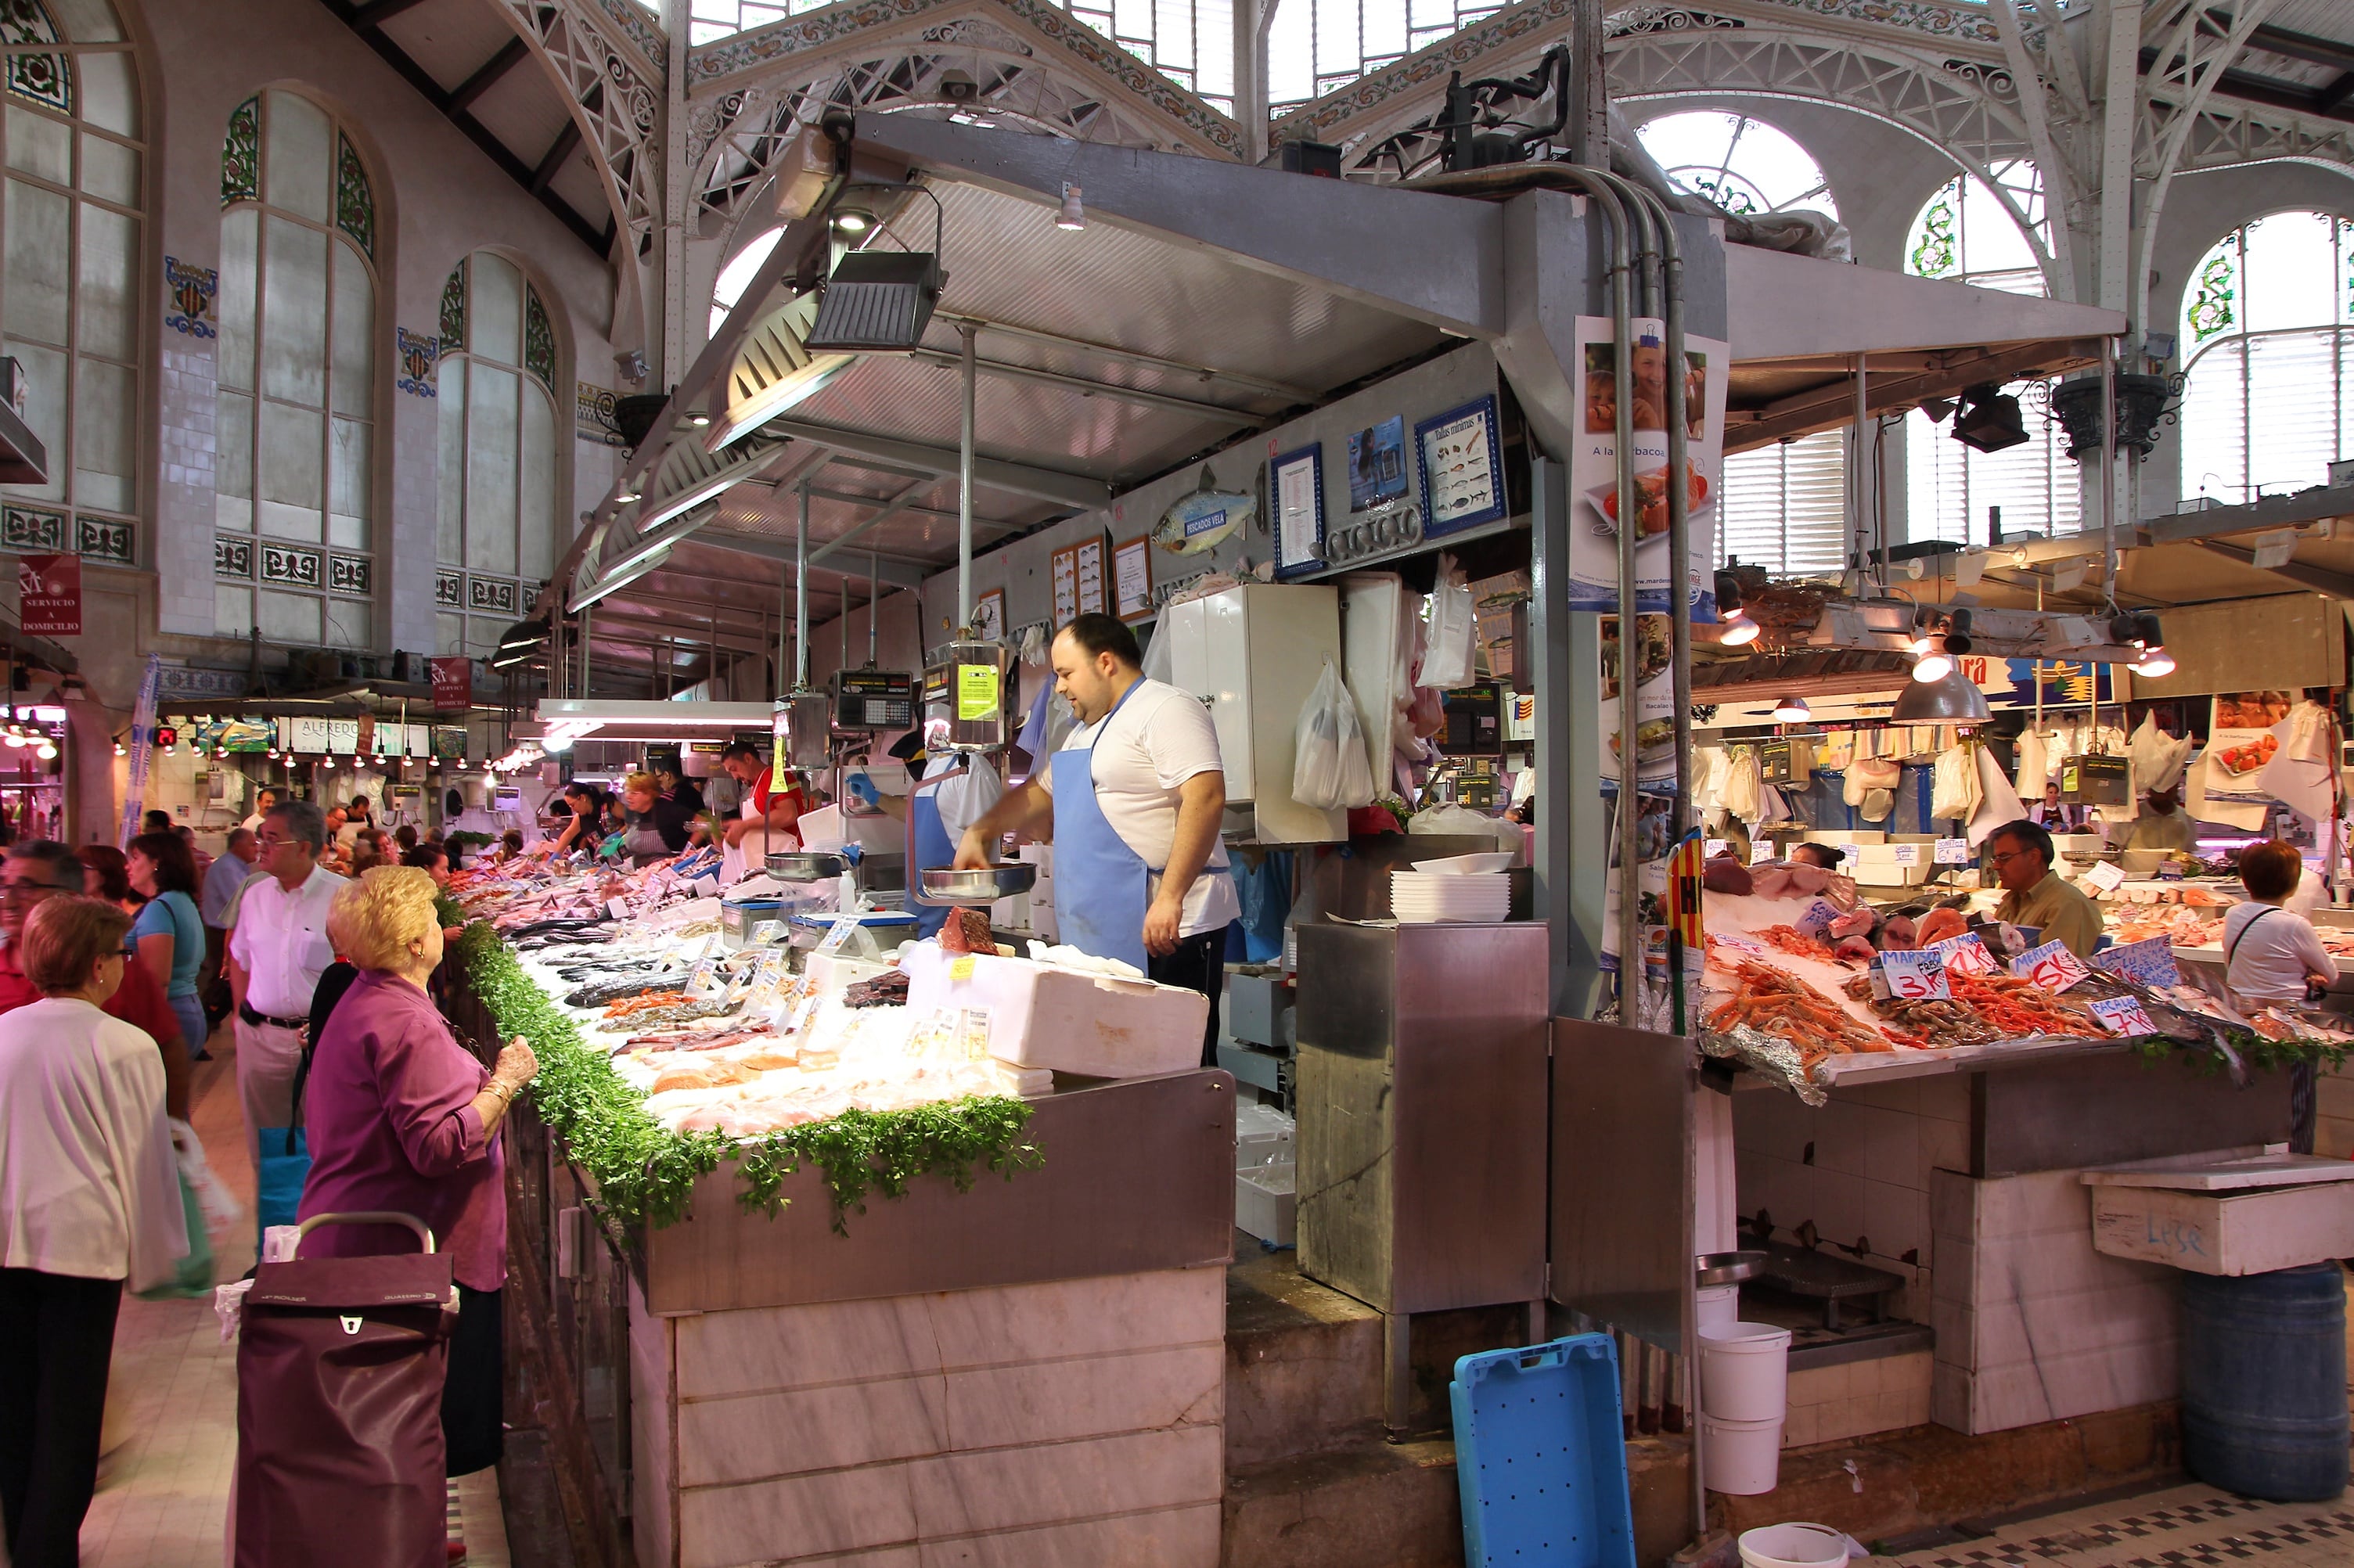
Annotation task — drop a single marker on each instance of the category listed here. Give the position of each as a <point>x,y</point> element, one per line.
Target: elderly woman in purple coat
<point>402,1116</point>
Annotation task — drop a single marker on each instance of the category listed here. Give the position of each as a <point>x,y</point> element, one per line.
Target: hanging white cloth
<point>1998,802</point>
<point>1954,792</point>
<point>2157,756</point>
<point>2299,773</point>
<point>1742,793</point>
<point>2034,768</point>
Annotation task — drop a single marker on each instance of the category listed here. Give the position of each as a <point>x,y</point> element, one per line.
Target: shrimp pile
<point>1782,1004</point>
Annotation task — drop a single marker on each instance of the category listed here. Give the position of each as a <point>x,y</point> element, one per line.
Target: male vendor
<point>1132,803</point>
<point>954,790</point>
<point>2035,895</point>
<point>777,812</point>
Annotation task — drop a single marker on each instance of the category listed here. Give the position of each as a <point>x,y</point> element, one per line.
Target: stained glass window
<point>1743,165</point>
<point>1964,234</point>
<point>295,476</point>
<point>72,294</point>
<point>2268,331</point>
<point>495,536</point>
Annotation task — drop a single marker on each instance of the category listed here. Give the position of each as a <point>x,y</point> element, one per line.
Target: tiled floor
<point>2187,1527</point>
<point>171,1427</point>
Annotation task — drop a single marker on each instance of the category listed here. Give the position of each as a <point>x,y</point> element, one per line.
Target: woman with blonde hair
<point>403,1116</point>
<point>90,1196</point>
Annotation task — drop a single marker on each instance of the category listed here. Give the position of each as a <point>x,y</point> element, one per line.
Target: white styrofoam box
<point>1263,1136</point>
<point>830,972</point>
<point>1068,1020</point>
<point>1267,1204</point>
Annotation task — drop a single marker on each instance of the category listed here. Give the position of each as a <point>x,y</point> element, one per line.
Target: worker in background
<point>770,805</point>
<point>1827,856</point>
<point>2034,894</point>
<point>956,789</point>
<point>2054,817</point>
<point>2163,825</point>
<point>1132,801</point>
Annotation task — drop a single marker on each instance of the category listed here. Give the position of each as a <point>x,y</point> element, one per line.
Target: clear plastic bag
<point>1328,770</point>
<point>1450,660</point>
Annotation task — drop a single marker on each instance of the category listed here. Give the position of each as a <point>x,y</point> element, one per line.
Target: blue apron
<point>928,847</point>
<point>1102,887</point>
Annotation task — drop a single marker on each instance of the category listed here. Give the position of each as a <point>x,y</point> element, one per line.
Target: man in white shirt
<point>264,800</point>
<point>1132,801</point>
<point>277,952</point>
<point>224,879</point>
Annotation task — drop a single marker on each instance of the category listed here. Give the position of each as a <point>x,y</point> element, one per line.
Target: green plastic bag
<point>193,1274</point>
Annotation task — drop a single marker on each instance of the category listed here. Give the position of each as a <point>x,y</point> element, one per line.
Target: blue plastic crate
<point>1541,1456</point>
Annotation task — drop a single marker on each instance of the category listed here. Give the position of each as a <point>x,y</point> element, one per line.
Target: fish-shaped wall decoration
<point>1206,518</point>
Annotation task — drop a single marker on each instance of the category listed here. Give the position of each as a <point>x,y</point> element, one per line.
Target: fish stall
<point>823,1215</point>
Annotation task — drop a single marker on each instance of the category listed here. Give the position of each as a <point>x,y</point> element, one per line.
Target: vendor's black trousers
<point>1199,963</point>
<point>56,1337</point>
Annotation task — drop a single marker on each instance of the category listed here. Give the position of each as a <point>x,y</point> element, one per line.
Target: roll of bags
<point>1744,1393</point>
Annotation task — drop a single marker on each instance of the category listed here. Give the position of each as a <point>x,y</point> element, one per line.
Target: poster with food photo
<point>2242,739</point>
<point>1593,464</point>
<point>1655,703</point>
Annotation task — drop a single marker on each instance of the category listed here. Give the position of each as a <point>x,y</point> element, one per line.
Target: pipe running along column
<point>964,482</point>
<point>801,594</point>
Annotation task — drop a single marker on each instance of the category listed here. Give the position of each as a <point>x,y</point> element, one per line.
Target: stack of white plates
<point>1421,897</point>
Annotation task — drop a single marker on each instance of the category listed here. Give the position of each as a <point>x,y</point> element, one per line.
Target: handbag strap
<point>2235,948</point>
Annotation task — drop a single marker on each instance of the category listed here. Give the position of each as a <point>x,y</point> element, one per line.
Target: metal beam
<point>883,514</point>
<point>2318,579</point>
<point>488,75</point>
<point>1089,389</point>
<point>896,572</point>
<point>567,142</point>
<point>378,12</point>
<point>1259,383</point>
<point>1046,484</point>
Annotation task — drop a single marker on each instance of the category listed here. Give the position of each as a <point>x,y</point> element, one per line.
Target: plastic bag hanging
<point>1328,769</point>
<point>1450,660</point>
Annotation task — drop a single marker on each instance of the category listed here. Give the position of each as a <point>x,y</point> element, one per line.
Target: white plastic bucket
<point>1720,1306</point>
<point>1742,1458</point>
<point>1793,1546</point>
<point>1745,1371</point>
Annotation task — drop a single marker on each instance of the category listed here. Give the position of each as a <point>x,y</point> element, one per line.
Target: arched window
<point>294,481</point>
<point>1742,165</point>
<point>2268,340</point>
<point>71,297</point>
<point>496,533</point>
<point>1784,505</point>
<point>1964,234</point>
<point>737,274</point>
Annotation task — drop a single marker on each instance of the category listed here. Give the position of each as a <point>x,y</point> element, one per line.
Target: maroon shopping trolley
<point>340,1363</point>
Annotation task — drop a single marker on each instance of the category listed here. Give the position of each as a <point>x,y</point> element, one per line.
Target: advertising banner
<point>1594,468</point>
<point>48,594</point>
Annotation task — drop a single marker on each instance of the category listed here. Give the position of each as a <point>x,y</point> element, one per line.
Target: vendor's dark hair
<point>743,749</point>
<point>2029,835</point>
<point>1099,633</point>
<point>175,864</point>
<point>2271,869</point>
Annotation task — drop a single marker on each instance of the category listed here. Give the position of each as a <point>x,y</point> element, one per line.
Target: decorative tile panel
<point>107,539</point>
<point>191,290</point>
<point>596,415</point>
<point>351,574</point>
<point>29,529</point>
<point>538,339</point>
<point>417,354</point>
<point>241,154</point>
<point>490,594</point>
<point>354,199</point>
<point>292,564</point>
<point>233,558</point>
<point>450,590</point>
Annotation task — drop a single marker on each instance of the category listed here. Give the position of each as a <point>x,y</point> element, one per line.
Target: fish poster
<point>1594,468</point>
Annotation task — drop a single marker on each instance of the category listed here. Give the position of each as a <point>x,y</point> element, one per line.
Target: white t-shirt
<point>2270,962</point>
<point>1159,737</point>
<point>965,794</point>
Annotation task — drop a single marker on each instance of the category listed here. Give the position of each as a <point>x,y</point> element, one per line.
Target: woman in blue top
<point>168,933</point>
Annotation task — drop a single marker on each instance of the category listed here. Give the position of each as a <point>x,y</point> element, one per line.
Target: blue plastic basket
<point>1541,1456</point>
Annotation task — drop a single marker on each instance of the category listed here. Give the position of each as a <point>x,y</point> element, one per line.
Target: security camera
<point>959,87</point>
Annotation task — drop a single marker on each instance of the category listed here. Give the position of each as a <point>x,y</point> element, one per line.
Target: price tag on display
<point>705,887</point>
<point>1742,944</point>
<point>2051,966</point>
<point>1914,977</point>
<point>2124,1015</point>
<point>619,909</point>
<point>1908,854</point>
<point>1848,855</point>
<point>2150,961</point>
<point>1816,919</point>
<point>2102,877</point>
<point>838,933</point>
<point>1712,848</point>
<point>1760,851</point>
<point>703,982</point>
<point>767,931</point>
<point>1952,851</point>
<point>960,968</point>
<point>1963,955</point>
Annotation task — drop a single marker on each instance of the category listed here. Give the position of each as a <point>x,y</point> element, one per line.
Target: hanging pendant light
<point>1791,710</point>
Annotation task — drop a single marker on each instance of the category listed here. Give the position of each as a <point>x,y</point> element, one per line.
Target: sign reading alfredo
<point>1594,467</point>
<point>48,594</point>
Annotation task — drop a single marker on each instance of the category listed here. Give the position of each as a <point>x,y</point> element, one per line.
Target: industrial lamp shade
<point>876,302</point>
<point>1991,420</point>
<point>1950,699</point>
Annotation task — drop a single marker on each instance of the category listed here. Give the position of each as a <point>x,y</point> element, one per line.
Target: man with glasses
<point>277,950</point>
<point>35,870</point>
<point>2034,894</point>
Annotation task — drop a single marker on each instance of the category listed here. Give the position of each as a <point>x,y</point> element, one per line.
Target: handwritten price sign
<point>1816,919</point>
<point>1760,851</point>
<point>2051,966</point>
<point>1908,854</point>
<point>1914,977</point>
<point>1744,946</point>
<point>1953,851</point>
<point>2151,961</point>
<point>1963,955</point>
<point>2104,877</point>
<point>2124,1015</point>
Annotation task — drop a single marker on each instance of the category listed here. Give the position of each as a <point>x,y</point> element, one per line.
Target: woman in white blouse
<point>90,1196</point>
<point>2271,954</point>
